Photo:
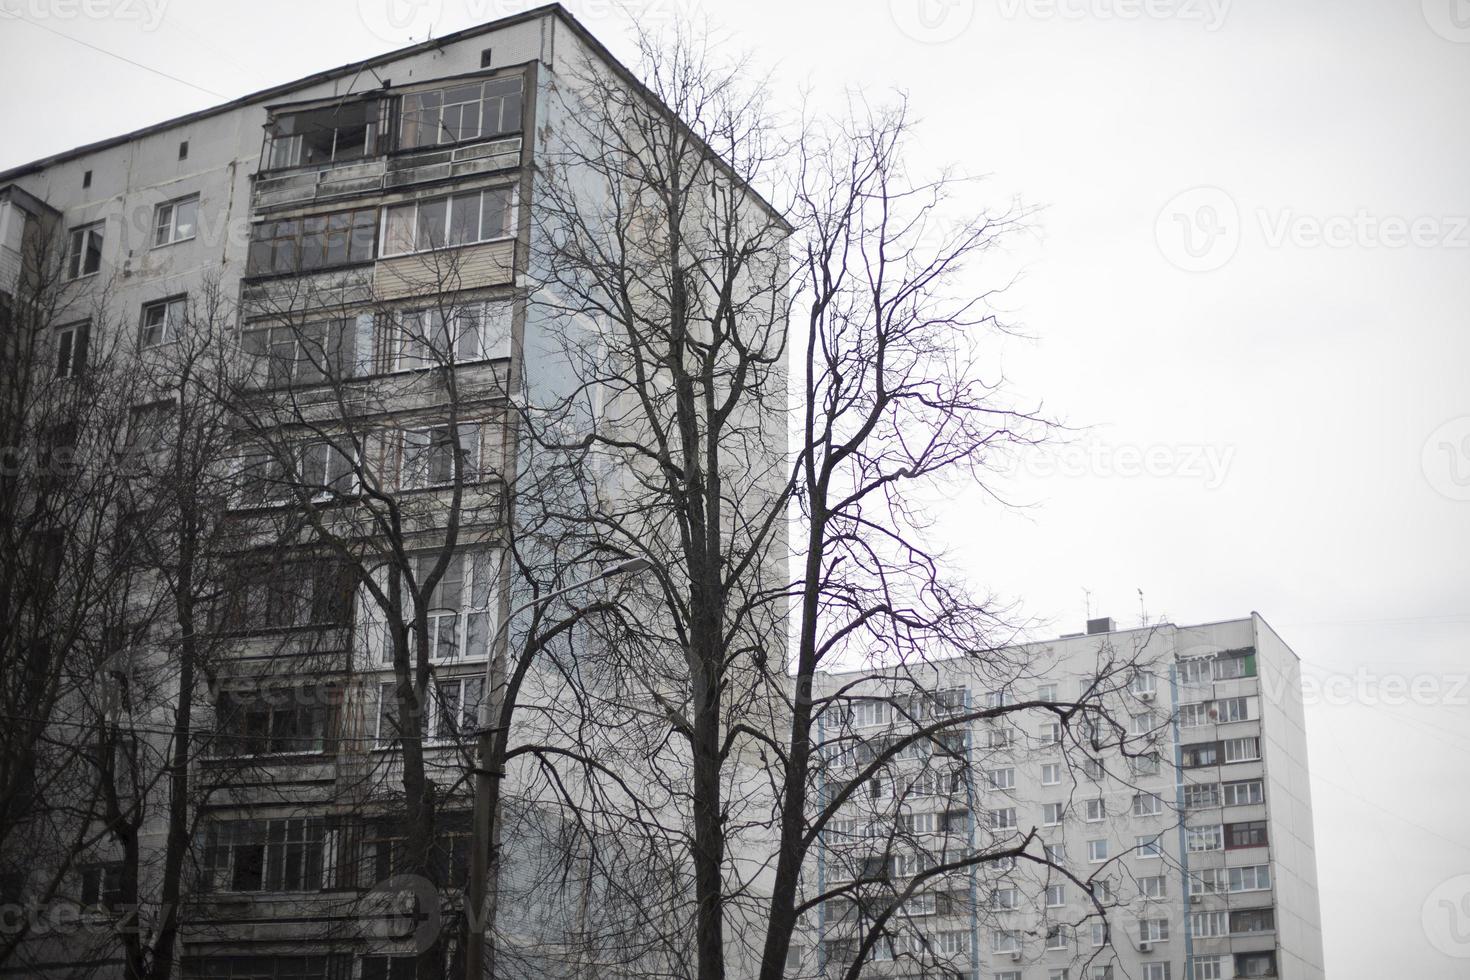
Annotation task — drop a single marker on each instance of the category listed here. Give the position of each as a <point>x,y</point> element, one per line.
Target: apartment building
<point>371,230</point>
<point>1175,809</point>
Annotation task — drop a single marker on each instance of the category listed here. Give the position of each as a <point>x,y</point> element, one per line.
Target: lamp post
<point>491,708</point>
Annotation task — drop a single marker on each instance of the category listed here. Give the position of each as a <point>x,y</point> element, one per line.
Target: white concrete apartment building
<point>331,204</point>
<point>1192,828</point>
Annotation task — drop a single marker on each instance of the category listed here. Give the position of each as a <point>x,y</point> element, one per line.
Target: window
<point>327,468</point>
<point>1252,833</point>
<point>1200,754</point>
<point>953,942</point>
<point>176,221</point>
<point>271,595</point>
<point>1051,773</point>
<point>1007,897</point>
<point>1056,896</point>
<point>1000,738</point>
<point>1233,664</point>
<point>475,110</point>
<point>1003,819</point>
<point>1149,846</point>
<point>1002,779</point>
<point>1093,769</point>
<point>342,131</point>
<point>1262,964</point>
<point>453,711</point>
<point>71,349</point>
<point>1242,749</point>
<point>1209,924</point>
<point>1200,795</point>
<point>1244,793</point>
<point>1252,920</point>
<point>84,251</point>
<point>1146,764</point>
<point>459,219</point>
<point>309,353</point>
<point>1097,851</point>
<point>1208,968</point>
<point>1205,882</point>
<point>997,699</point>
<point>162,320</point>
<point>1198,670</point>
<point>1051,733</point>
<point>1232,709</point>
<point>1099,932</point>
<point>866,713</point>
<point>1056,937</point>
<point>1156,971</point>
<point>277,719</point>
<point>1153,930</point>
<point>1253,878</point>
<point>1005,941</point>
<point>1101,889</point>
<point>1142,724</point>
<point>1153,886</point>
<point>1204,838</point>
<point>1046,692</point>
<point>184,150</point>
<point>1055,853</point>
<point>1058,973</point>
<point>459,609</point>
<point>101,884</point>
<point>86,179</point>
<point>1052,813</point>
<point>1147,804</point>
<point>443,335</point>
<point>430,456</point>
<point>1194,715</point>
<point>282,855</point>
<point>1094,811</point>
<point>318,241</point>
<point>1142,682</point>
<point>1104,972</point>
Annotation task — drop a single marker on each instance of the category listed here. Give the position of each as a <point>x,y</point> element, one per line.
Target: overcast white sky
<point>1251,279</point>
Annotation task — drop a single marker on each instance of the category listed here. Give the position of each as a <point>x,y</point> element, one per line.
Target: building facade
<point>1166,835</point>
<point>364,241</point>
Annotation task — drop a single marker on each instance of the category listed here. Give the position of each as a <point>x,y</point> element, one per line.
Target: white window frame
<point>1097,851</point>
<point>1231,749</point>
<point>1251,878</point>
<point>1094,811</point>
<point>1153,886</point>
<point>387,240</point>
<point>1003,818</point>
<point>1051,774</point>
<point>430,337</point>
<point>1153,930</point>
<point>1056,896</point>
<point>78,247</point>
<point>1147,804</point>
<point>1053,814</point>
<point>166,224</point>
<point>1208,838</point>
<point>1056,937</point>
<point>174,308</point>
<point>1002,778</point>
<point>1149,846</point>
<point>419,459</point>
<point>74,363</point>
<point>1230,793</point>
<point>1210,967</point>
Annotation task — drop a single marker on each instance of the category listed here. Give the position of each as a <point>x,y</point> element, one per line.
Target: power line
<point>110,54</point>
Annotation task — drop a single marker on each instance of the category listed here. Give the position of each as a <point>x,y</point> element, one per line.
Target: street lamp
<point>490,710</point>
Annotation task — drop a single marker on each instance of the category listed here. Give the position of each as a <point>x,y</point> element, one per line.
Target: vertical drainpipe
<point>1179,808</point>
<point>970,819</point>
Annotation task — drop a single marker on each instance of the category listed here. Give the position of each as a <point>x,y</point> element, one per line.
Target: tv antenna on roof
<point>1142,612</point>
<point>1087,593</point>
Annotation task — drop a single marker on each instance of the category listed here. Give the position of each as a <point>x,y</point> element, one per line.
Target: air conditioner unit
<point>1196,899</point>
<point>1016,956</point>
<point>1145,695</point>
<point>1145,947</point>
